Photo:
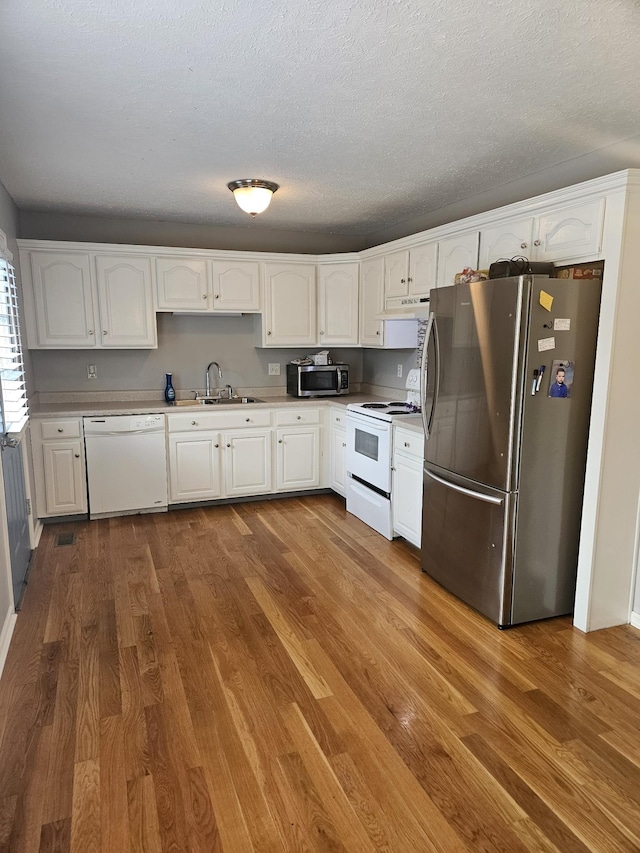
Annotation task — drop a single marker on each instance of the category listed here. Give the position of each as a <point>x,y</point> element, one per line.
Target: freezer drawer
<point>467,541</point>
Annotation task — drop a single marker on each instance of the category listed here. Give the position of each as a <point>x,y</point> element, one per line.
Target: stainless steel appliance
<point>317,380</point>
<point>504,457</point>
<point>368,458</point>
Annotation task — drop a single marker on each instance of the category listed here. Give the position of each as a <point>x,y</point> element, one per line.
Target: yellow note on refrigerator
<point>546,300</point>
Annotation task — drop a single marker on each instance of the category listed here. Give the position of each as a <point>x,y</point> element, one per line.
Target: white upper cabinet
<point>236,286</point>
<point>455,254</point>
<point>509,240</point>
<point>338,304</point>
<point>567,234</point>
<point>571,232</point>
<point>125,296</point>
<point>423,269</point>
<point>62,312</point>
<point>289,318</point>
<point>183,284</point>
<point>371,302</point>
<point>396,274</point>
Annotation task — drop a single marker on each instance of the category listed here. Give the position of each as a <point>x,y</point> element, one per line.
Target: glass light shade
<point>253,196</point>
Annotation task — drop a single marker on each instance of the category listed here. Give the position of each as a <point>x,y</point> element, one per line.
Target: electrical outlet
<point>92,371</point>
<point>399,372</point>
<point>274,369</point>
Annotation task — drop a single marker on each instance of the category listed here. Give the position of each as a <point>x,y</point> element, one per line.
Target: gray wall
<point>148,232</point>
<point>186,344</point>
<point>380,367</point>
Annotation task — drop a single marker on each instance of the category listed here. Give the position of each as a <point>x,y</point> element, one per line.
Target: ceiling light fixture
<point>253,195</point>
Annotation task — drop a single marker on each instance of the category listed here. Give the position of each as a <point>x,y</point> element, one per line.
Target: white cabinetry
<point>454,254</point>
<point>297,449</point>
<point>565,234</point>
<point>337,450</point>
<point>236,286</point>
<point>183,284</point>
<point>371,302</point>
<point>411,272</point>
<point>247,462</point>
<point>125,298</point>
<point>80,300</point>
<point>58,466</point>
<point>408,457</point>
<point>289,318</point>
<point>194,466</point>
<point>61,299</point>
<point>338,304</point>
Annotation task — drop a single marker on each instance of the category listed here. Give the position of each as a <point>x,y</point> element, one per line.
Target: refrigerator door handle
<point>432,326</point>
<point>490,499</point>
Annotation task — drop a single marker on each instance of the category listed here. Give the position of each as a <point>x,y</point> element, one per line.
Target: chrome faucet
<point>207,381</point>
<point>229,391</point>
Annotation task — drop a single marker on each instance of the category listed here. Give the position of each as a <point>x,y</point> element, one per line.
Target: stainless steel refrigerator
<point>506,399</point>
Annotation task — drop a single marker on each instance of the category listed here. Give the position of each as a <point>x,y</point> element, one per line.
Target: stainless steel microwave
<point>317,380</point>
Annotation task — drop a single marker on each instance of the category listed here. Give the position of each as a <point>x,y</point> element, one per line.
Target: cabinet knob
<point>77,455</point>
<point>344,443</point>
<point>104,331</point>
<point>536,242</point>
<point>377,332</point>
<point>194,423</point>
<point>402,281</point>
<point>204,296</point>
<point>247,420</point>
<point>228,445</point>
<point>321,332</point>
<point>60,429</point>
<point>216,445</point>
<point>299,417</point>
<point>217,296</point>
<point>523,245</point>
<point>392,468</point>
<point>406,444</point>
<point>338,419</point>
<point>269,332</point>
<point>90,331</point>
<point>409,279</point>
<point>279,441</point>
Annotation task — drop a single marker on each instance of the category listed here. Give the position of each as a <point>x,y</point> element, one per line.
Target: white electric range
<point>369,456</point>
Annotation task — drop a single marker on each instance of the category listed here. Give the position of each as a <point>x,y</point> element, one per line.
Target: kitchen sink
<point>218,401</point>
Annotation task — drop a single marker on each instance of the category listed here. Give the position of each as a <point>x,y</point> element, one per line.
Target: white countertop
<point>147,407</point>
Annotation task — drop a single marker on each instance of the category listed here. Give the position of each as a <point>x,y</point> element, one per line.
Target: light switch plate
<point>274,369</point>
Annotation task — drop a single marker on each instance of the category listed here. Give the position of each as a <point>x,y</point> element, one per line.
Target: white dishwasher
<point>126,464</point>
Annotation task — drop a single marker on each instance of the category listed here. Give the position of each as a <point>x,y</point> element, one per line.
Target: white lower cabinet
<point>59,467</point>
<point>194,467</point>
<point>337,448</point>
<point>408,458</point>
<point>247,462</point>
<point>297,458</point>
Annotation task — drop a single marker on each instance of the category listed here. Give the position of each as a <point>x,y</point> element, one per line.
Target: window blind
<point>14,408</point>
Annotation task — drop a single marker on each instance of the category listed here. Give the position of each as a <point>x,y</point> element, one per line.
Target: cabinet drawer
<point>220,420</point>
<point>411,443</point>
<point>338,417</point>
<point>60,429</point>
<point>296,417</point>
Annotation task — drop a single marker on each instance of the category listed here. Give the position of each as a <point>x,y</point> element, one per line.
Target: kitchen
<point>188,343</point>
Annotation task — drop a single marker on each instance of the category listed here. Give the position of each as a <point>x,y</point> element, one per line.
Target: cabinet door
<point>507,240</point>
<point>396,274</point>
<point>63,299</point>
<point>298,459</point>
<point>182,284</point>
<point>571,233</point>
<point>194,467</point>
<point>64,478</point>
<point>423,269</point>
<point>454,255</point>
<point>338,304</point>
<point>236,286</point>
<point>371,302</point>
<point>290,305</point>
<point>247,462</point>
<point>338,460</point>
<point>125,296</point>
<point>407,498</point>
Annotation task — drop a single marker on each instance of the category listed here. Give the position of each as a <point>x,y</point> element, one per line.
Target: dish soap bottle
<point>169,390</point>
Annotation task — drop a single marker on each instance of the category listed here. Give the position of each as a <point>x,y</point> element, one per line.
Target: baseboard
<point>635,620</point>
<point>5,635</point>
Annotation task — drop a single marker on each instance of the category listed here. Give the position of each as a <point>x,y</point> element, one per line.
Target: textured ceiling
<point>367,112</point>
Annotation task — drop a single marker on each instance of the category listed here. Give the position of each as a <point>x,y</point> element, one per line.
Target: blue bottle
<point>169,390</point>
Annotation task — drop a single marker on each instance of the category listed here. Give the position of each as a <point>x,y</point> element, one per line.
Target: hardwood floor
<point>274,676</point>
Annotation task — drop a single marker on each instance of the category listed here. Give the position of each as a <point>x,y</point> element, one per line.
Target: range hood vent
<point>405,308</point>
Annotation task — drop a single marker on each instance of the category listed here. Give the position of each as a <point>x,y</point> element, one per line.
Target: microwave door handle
<point>339,379</point>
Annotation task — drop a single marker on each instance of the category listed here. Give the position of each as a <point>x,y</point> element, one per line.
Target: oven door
<point>369,450</point>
